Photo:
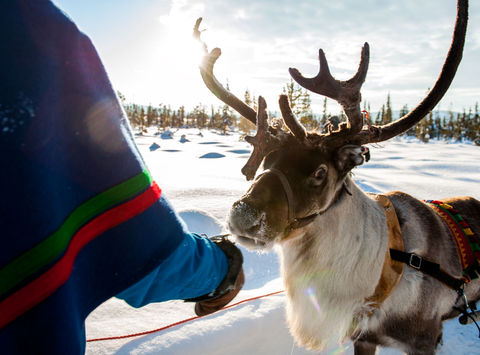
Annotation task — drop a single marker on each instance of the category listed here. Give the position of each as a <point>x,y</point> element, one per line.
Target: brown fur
<point>432,241</point>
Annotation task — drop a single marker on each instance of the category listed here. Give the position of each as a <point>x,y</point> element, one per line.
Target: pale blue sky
<point>147,49</point>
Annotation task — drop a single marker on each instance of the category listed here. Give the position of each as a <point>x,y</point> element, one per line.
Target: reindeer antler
<point>267,138</point>
<point>206,70</point>
<point>454,56</point>
<point>290,120</point>
<point>347,93</point>
<point>263,142</point>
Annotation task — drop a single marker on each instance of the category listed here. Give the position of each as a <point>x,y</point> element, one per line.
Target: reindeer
<point>337,243</point>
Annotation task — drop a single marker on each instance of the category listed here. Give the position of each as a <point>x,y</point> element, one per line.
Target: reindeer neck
<point>347,241</point>
<point>332,269</point>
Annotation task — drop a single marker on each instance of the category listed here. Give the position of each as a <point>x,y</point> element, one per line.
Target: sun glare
<point>168,71</point>
<point>174,57</point>
<point>178,40</point>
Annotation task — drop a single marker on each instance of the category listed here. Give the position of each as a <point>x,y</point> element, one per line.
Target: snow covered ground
<point>202,172</point>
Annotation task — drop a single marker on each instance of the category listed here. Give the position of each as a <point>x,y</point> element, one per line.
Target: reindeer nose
<point>244,219</point>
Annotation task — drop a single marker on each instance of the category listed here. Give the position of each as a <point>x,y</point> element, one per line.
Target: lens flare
<point>340,350</point>
<point>310,292</point>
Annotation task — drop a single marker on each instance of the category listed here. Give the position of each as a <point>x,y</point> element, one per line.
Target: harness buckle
<point>415,261</point>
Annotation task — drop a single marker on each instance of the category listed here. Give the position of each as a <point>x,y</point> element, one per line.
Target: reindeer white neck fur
<point>327,288</point>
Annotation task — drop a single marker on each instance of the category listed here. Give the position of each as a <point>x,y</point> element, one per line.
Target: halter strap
<point>294,222</point>
<point>287,189</point>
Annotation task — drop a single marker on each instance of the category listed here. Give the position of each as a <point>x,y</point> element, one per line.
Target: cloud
<point>409,41</point>
<point>260,40</point>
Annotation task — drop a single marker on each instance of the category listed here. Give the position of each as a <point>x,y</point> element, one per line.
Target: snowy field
<point>202,172</point>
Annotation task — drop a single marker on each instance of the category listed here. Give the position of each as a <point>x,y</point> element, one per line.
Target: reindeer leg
<point>364,348</point>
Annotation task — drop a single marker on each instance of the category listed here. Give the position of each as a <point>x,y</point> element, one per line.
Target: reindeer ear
<point>349,156</point>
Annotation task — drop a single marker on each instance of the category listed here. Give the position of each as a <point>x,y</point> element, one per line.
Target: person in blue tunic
<point>81,219</point>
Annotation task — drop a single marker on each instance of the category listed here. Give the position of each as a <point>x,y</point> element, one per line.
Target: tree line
<point>458,126</point>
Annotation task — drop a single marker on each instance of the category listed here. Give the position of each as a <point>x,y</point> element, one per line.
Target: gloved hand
<point>230,285</point>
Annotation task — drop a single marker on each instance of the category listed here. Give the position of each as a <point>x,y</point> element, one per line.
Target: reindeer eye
<point>320,173</point>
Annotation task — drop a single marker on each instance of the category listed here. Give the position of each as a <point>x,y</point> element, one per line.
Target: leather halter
<point>294,222</point>
<point>286,188</point>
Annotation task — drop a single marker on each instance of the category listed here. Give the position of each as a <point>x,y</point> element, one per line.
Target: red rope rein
<point>182,321</point>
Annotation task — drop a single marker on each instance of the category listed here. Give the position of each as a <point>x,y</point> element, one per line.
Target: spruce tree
<point>149,116</point>
<point>248,97</point>
<point>299,98</point>
<point>476,124</point>
<point>388,111</point>
<point>324,118</point>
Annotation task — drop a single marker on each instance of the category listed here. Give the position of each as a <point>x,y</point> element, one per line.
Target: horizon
<point>149,53</point>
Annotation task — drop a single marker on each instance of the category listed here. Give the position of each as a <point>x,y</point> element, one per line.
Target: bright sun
<point>167,73</point>
<point>175,55</point>
<point>179,42</point>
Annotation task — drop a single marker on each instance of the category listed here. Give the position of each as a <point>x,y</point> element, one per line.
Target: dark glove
<point>231,284</point>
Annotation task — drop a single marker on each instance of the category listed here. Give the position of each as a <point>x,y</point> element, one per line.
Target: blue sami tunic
<point>80,218</point>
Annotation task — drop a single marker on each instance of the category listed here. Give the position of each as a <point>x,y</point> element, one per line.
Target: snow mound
<point>167,135</point>
<point>212,155</point>
<point>201,222</point>
<point>154,146</point>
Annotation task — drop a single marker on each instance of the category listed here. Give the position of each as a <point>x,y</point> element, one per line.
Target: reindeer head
<point>305,173</point>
